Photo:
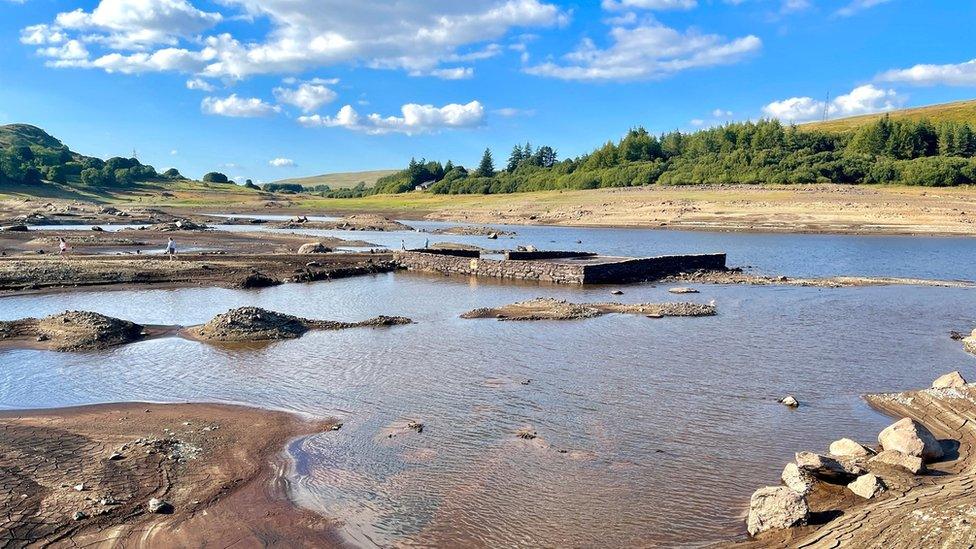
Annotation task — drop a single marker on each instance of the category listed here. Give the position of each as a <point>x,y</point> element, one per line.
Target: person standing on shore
<point>62,247</point>
<point>171,249</point>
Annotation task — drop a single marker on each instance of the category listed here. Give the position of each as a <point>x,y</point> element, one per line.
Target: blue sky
<point>269,89</point>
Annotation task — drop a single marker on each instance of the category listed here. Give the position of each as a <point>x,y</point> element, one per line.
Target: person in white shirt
<point>171,249</point>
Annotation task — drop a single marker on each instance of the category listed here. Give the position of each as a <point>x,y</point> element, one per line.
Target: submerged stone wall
<point>519,270</point>
<point>546,255</point>
<point>651,268</point>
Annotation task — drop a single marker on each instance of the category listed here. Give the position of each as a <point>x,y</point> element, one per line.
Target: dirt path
<point>939,512</point>
<point>219,467</point>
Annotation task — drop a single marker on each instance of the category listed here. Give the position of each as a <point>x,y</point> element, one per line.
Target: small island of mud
<point>153,475</point>
<point>547,308</point>
<point>359,222</point>
<point>256,324</point>
<point>71,331</point>
<point>473,231</point>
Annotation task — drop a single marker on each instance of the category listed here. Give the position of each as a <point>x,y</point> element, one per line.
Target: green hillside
<point>959,111</point>
<point>344,180</point>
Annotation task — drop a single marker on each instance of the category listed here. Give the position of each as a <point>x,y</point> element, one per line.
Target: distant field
<point>343,180</point>
<point>959,111</point>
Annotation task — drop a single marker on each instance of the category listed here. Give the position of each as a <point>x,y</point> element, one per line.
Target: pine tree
<point>449,166</point>
<point>487,166</point>
<point>515,159</point>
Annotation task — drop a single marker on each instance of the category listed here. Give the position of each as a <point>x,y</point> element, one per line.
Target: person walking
<point>171,249</point>
<point>62,247</point>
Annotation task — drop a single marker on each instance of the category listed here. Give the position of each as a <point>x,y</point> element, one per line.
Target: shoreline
<point>222,467</point>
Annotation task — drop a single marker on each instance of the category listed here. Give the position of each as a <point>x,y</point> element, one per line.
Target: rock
<point>493,236</point>
<point>616,292</point>
<point>159,506</point>
<point>314,248</point>
<point>416,426</point>
<point>848,447</point>
<point>256,324</point>
<point>797,479</point>
<point>79,515</point>
<point>911,438</point>
<point>15,229</point>
<point>828,468</point>
<point>108,500</point>
<point>789,401</point>
<point>115,456</point>
<point>969,343</point>
<point>912,464</point>
<point>867,486</point>
<point>526,433</point>
<point>258,280</point>
<point>80,487</point>
<point>776,507</point>
<point>97,229</point>
<point>683,290</point>
<point>952,379</point>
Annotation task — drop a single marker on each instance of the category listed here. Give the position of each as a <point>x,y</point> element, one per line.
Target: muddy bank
<point>488,232</point>
<point>86,476</point>
<point>71,331</point>
<point>737,276</point>
<point>362,222</point>
<point>904,501</point>
<point>256,324</point>
<point>545,308</point>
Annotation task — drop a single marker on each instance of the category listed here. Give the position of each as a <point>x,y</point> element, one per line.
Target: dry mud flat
<point>87,476</point>
<point>547,308</point>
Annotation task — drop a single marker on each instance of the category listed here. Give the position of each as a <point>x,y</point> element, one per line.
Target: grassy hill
<point>344,180</point>
<point>959,111</point>
<point>27,135</point>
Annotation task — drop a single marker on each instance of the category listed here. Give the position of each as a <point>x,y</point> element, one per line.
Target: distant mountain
<point>959,111</point>
<point>343,180</point>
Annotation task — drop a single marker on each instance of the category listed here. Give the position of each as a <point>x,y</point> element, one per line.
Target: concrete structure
<point>558,267</point>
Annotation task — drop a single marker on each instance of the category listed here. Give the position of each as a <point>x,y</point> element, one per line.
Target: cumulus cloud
<point>861,100</point>
<point>282,163</point>
<point>618,5</point>
<point>957,74</point>
<point>418,36</point>
<point>648,51</point>
<point>455,73</point>
<point>238,107</point>
<point>199,84</point>
<point>308,96</point>
<point>414,119</point>
<point>859,5</point>
<point>511,112</point>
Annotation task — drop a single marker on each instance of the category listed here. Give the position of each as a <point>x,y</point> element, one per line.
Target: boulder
<point>257,280</point>
<point>314,248</point>
<point>952,379</point>
<point>827,467</point>
<point>969,343</point>
<point>848,447</point>
<point>789,401</point>
<point>775,507</point>
<point>912,464</point>
<point>867,486</point>
<point>911,438</point>
<point>159,506</point>
<point>683,290</point>
<point>797,479</point>
<point>15,229</point>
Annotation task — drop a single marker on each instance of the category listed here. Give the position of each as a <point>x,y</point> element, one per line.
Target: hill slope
<point>344,180</point>
<point>959,111</point>
<point>27,135</point>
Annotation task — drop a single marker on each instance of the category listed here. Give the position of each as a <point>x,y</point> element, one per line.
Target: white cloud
<point>651,50</point>
<point>174,152</point>
<point>618,5</point>
<point>455,73</point>
<point>958,74</point>
<point>414,119</point>
<point>282,163</point>
<point>42,34</point>
<point>239,107</point>
<point>793,6</point>
<point>697,122</point>
<point>308,96</point>
<point>127,24</point>
<point>199,84</point>
<point>861,100</point>
<point>721,113</point>
<point>859,5</point>
<point>511,112</point>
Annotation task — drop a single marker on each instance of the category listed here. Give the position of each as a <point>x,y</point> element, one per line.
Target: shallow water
<point>667,425</point>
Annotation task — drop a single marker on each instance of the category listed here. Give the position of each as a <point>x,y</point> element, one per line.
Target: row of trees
<point>885,151</point>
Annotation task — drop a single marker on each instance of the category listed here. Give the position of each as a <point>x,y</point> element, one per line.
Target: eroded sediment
<point>256,324</point>
<point>71,331</point>
<point>547,308</point>
<point>85,476</point>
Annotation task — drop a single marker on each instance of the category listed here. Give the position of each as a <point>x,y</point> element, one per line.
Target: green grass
<point>344,180</point>
<point>959,111</point>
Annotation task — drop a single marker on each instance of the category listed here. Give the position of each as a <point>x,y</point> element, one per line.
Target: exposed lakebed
<point>647,431</point>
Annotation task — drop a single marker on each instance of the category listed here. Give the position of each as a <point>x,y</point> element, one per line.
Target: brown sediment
<point>934,509</point>
<point>75,331</point>
<point>547,308</point>
<point>737,276</point>
<point>361,222</point>
<point>256,324</point>
<point>221,467</point>
<point>472,231</point>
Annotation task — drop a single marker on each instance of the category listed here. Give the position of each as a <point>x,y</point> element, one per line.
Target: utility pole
<point>135,154</point>
<point>826,106</point>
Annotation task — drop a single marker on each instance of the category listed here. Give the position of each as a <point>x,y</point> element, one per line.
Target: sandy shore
<point>220,467</point>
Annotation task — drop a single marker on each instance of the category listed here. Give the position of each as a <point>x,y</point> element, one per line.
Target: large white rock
<point>912,464</point>
<point>314,248</point>
<point>867,486</point>
<point>827,467</point>
<point>848,447</point>
<point>911,438</point>
<point>797,479</point>
<point>775,507</point>
<point>969,343</point>
<point>952,379</point>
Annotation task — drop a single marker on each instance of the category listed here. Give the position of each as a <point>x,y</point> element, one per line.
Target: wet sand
<point>221,467</point>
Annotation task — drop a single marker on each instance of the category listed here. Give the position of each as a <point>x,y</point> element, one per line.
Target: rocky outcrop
<point>547,308</point>
<point>74,331</point>
<point>796,479</point>
<point>257,280</point>
<point>848,447</point>
<point>952,379</point>
<point>256,324</point>
<point>834,469</point>
<point>314,248</point>
<point>776,507</point>
<point>911,438</point>
<point>894,458</point>
<point>867,486</point>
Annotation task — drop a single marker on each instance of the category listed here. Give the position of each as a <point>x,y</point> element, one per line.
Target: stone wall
<point>546,255</point>
<point>651,268</point>
<point>448,251</point>
<point>519,270</point>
